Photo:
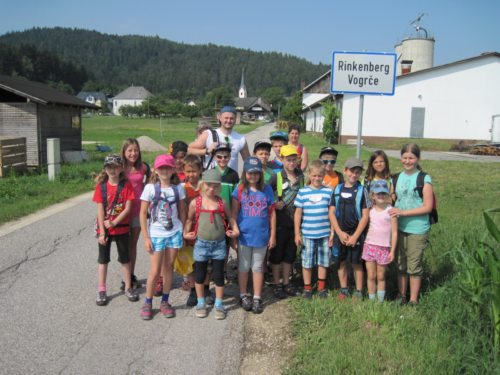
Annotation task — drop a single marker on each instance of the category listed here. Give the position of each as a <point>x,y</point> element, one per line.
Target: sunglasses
<point>329,161</point>
<point>222,156</point>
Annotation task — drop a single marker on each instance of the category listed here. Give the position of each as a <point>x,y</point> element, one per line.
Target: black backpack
<point>433,215</point>
<point>215,139</point>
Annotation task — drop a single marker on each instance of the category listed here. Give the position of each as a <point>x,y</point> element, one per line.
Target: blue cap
<point>252,164</point>
<point>228,108</point>
<point>279,135</point>
<point>379,186</point>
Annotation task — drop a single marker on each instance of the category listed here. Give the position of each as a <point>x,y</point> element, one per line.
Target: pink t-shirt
<point>379,231</point>
<point>136,179</point>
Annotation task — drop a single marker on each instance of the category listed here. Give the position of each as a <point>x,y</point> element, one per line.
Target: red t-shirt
<point>127,194</point>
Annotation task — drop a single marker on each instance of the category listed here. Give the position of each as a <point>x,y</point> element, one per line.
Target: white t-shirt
<point>237,141</point>
<point>167,201</point>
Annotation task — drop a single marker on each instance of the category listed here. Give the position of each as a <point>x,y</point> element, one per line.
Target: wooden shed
<point>37,111</point>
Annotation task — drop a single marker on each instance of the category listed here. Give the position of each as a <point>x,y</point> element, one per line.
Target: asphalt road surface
<point>50,324</point>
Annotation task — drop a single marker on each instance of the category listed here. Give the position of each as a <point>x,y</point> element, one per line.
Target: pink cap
<point>164,161</point>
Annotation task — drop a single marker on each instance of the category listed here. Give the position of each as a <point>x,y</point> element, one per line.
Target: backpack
<point>433,215</point>
<point>279,183</point>
<point>104,194</point>
<point>198,210</point>
<point>153,207</point>
<point>215,139</point>
<point>359,196</point>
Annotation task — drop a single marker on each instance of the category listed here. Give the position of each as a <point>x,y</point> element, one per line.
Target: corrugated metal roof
<point>40,92</point>
<point>134,92</point>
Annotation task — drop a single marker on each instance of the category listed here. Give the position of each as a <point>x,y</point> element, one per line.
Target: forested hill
<point>166,67</point>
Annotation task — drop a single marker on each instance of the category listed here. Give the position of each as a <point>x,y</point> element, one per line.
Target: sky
<point>308,29</point>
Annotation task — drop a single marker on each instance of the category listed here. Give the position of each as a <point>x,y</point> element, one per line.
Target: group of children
<point>267,216</point>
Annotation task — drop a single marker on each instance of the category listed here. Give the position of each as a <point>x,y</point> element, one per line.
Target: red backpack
<point>199,210</point>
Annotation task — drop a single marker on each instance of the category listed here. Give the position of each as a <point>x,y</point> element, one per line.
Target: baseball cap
<point>279,135</point>
<point>354,163</point>
<point>228,108</point>
<point>288,150</point>
<point>223,147</point>
<point>212,176</point>
<point>164,161</point>
<point>328,150</point>
<point>379,186</point>
<point>262,144</point>
<point>112,159</point>
<point>252,164</point>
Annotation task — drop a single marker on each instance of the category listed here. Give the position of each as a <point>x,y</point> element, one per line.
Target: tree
<point>216,99</point>
<point>189,111</point>
<point>276,97</point>
<point>292,111</point>
<point>331,116</point>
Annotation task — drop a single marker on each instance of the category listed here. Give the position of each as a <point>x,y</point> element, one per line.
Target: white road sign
<point>371,73</point>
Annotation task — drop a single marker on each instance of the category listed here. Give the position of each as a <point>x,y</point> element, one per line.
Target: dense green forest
<point>176,70</point>
<point>42,66</point>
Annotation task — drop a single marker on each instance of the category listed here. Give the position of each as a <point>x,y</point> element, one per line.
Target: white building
<point>457,101</point>
<point>134,96</point>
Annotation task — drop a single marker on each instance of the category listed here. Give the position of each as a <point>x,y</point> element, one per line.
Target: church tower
<point>242,93</point>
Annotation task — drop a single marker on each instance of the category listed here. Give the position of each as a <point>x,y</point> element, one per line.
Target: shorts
<point>347,253</point>
<point>410,253</point>
<point>315,252</point>
<point>135,222</point>
<point>251,257</point>
<point>205,250</point>
<point>172,242</point>
<point>122,241</point>
<point>285,250</point>
<point>375,253</point>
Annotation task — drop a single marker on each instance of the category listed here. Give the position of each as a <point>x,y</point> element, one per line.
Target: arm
<point>182,211</point>
<point>272,236</point>
<point>188,233</point>
<point>117,220</point>
<point>234,232</point>
<point>335,227</point>
<point>394,237</point>
<point>143,216</point>
<point>198,146</point>
<point>305,159</point>
<point>100,221</point>
<point>244,152</point>
<point>365,217</point>
<point>297,217</point>
<point>425,208</point>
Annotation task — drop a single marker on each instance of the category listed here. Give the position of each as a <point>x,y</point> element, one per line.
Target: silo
<point>420,51</point>
<point>398,48</point>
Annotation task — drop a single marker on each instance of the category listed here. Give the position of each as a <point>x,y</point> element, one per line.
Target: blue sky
<point>308,29</point>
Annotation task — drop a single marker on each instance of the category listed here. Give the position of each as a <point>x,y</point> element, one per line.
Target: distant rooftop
<point>134,92</point>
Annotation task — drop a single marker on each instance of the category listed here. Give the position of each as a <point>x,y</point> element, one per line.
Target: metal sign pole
<point>360,126</point>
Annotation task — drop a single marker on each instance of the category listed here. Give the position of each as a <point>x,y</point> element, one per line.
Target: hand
<point>233,233</point>
<point>102,240</point>
<point>271,243</point>
<point>395,212</point>
<point>190,236</point>
<point>330,241</point>
<point>390,257</point>
<point>108,224</point>
<point>351,241</point>
<point>148,245</point>
<point>344,237</point>
<point>298,241</point>
<point>279,205</point>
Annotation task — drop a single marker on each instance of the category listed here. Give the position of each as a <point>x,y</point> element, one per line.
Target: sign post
<point>363,73</point>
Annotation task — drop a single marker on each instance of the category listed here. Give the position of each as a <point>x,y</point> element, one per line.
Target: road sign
<point>371,73</point>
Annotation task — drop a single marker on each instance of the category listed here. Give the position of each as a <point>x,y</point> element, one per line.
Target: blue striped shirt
<point>314,204</point>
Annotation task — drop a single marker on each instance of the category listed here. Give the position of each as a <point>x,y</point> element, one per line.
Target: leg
<point>415,283</point>
<point>342,272</point>
<point>371,279</point>
<point>154,272</point>
<point>416,245</point>
<point>200,272</point>
<point>102,272</point>
<point>307,276</point>
<point>134,237</point>
<point>168,269</point>
<point>322,273</point>
<point>381,269</point>
<point>244,261</point>
<point>358,276</point>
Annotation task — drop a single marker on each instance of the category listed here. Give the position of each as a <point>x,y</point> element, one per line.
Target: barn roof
<point>134,92</point>
<point>40,92</point>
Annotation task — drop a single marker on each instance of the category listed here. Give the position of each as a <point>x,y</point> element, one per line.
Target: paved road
<point>49,323</point>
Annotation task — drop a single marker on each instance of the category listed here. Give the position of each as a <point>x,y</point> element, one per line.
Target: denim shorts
<point>205,250</point>
<point>172,242</point>
<point>315,252</point>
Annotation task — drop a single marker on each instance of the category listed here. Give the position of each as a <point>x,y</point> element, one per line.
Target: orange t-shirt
<point>331,181</point>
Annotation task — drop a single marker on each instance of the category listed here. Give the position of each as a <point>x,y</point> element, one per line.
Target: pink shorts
<point>374,253</point>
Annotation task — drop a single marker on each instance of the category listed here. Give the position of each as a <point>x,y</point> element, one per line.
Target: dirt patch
<point>148,144</point>
<point>268,341</point>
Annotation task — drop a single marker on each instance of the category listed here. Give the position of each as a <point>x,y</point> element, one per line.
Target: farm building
<point>313,95</point>
<point>134,96</point>
<point>37,111</point>
<point>95,97</point>
<point>250,108</point>
<point>455,101</point>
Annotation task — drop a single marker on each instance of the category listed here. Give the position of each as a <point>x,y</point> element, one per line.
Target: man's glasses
<point>329,161</point>
<point>222,156</point>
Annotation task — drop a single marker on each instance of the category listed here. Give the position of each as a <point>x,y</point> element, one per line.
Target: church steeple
<point>242,93</point>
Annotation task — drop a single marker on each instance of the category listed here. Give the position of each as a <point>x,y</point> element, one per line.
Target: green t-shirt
<point>230,180</point>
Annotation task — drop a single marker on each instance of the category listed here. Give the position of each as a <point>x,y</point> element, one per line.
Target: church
<point>250,108</point>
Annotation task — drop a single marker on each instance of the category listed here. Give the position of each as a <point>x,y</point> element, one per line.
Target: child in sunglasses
<point>328,155</point>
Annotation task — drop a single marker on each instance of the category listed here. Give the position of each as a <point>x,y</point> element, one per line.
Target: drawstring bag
<point>183,263</point>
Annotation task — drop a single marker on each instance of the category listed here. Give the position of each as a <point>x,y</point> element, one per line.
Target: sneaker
<point>307,294</point>
<point>358,295</point>
<point>192,299</point>
<point>132,295</point>
<point>167,310</point>
<point>135,283</point>
<point>220,312</point>
<point>159,287</point>
<point>101,299</point>
<point>147,311</point>
<point>342,296</point>
<point>246,303</point>
<point>209,298</point>
<point>291,290</point>
<point>201,311</point>
<point>257,306</point>
<point>323,294</point>
<point>268,278</point>
<point>401,299</point>
<point>279,292</point>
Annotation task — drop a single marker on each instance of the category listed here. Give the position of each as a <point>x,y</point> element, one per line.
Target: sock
<point>164,297</point>
<point>218,302</point>
<point>242,295</point>
<point>201,301</point>
<point>308,287</point>
<point>148,301</point>
<point>102,287</point>
<point>256,297</point>
<point>321,284</point>
<point>371,296</point>
<point>381,295</point>
<point>344,291</point>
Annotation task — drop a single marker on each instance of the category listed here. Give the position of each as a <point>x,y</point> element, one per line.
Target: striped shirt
<point>314,204</point>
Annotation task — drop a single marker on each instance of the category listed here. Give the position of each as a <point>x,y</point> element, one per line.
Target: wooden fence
<point>12,154</point>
